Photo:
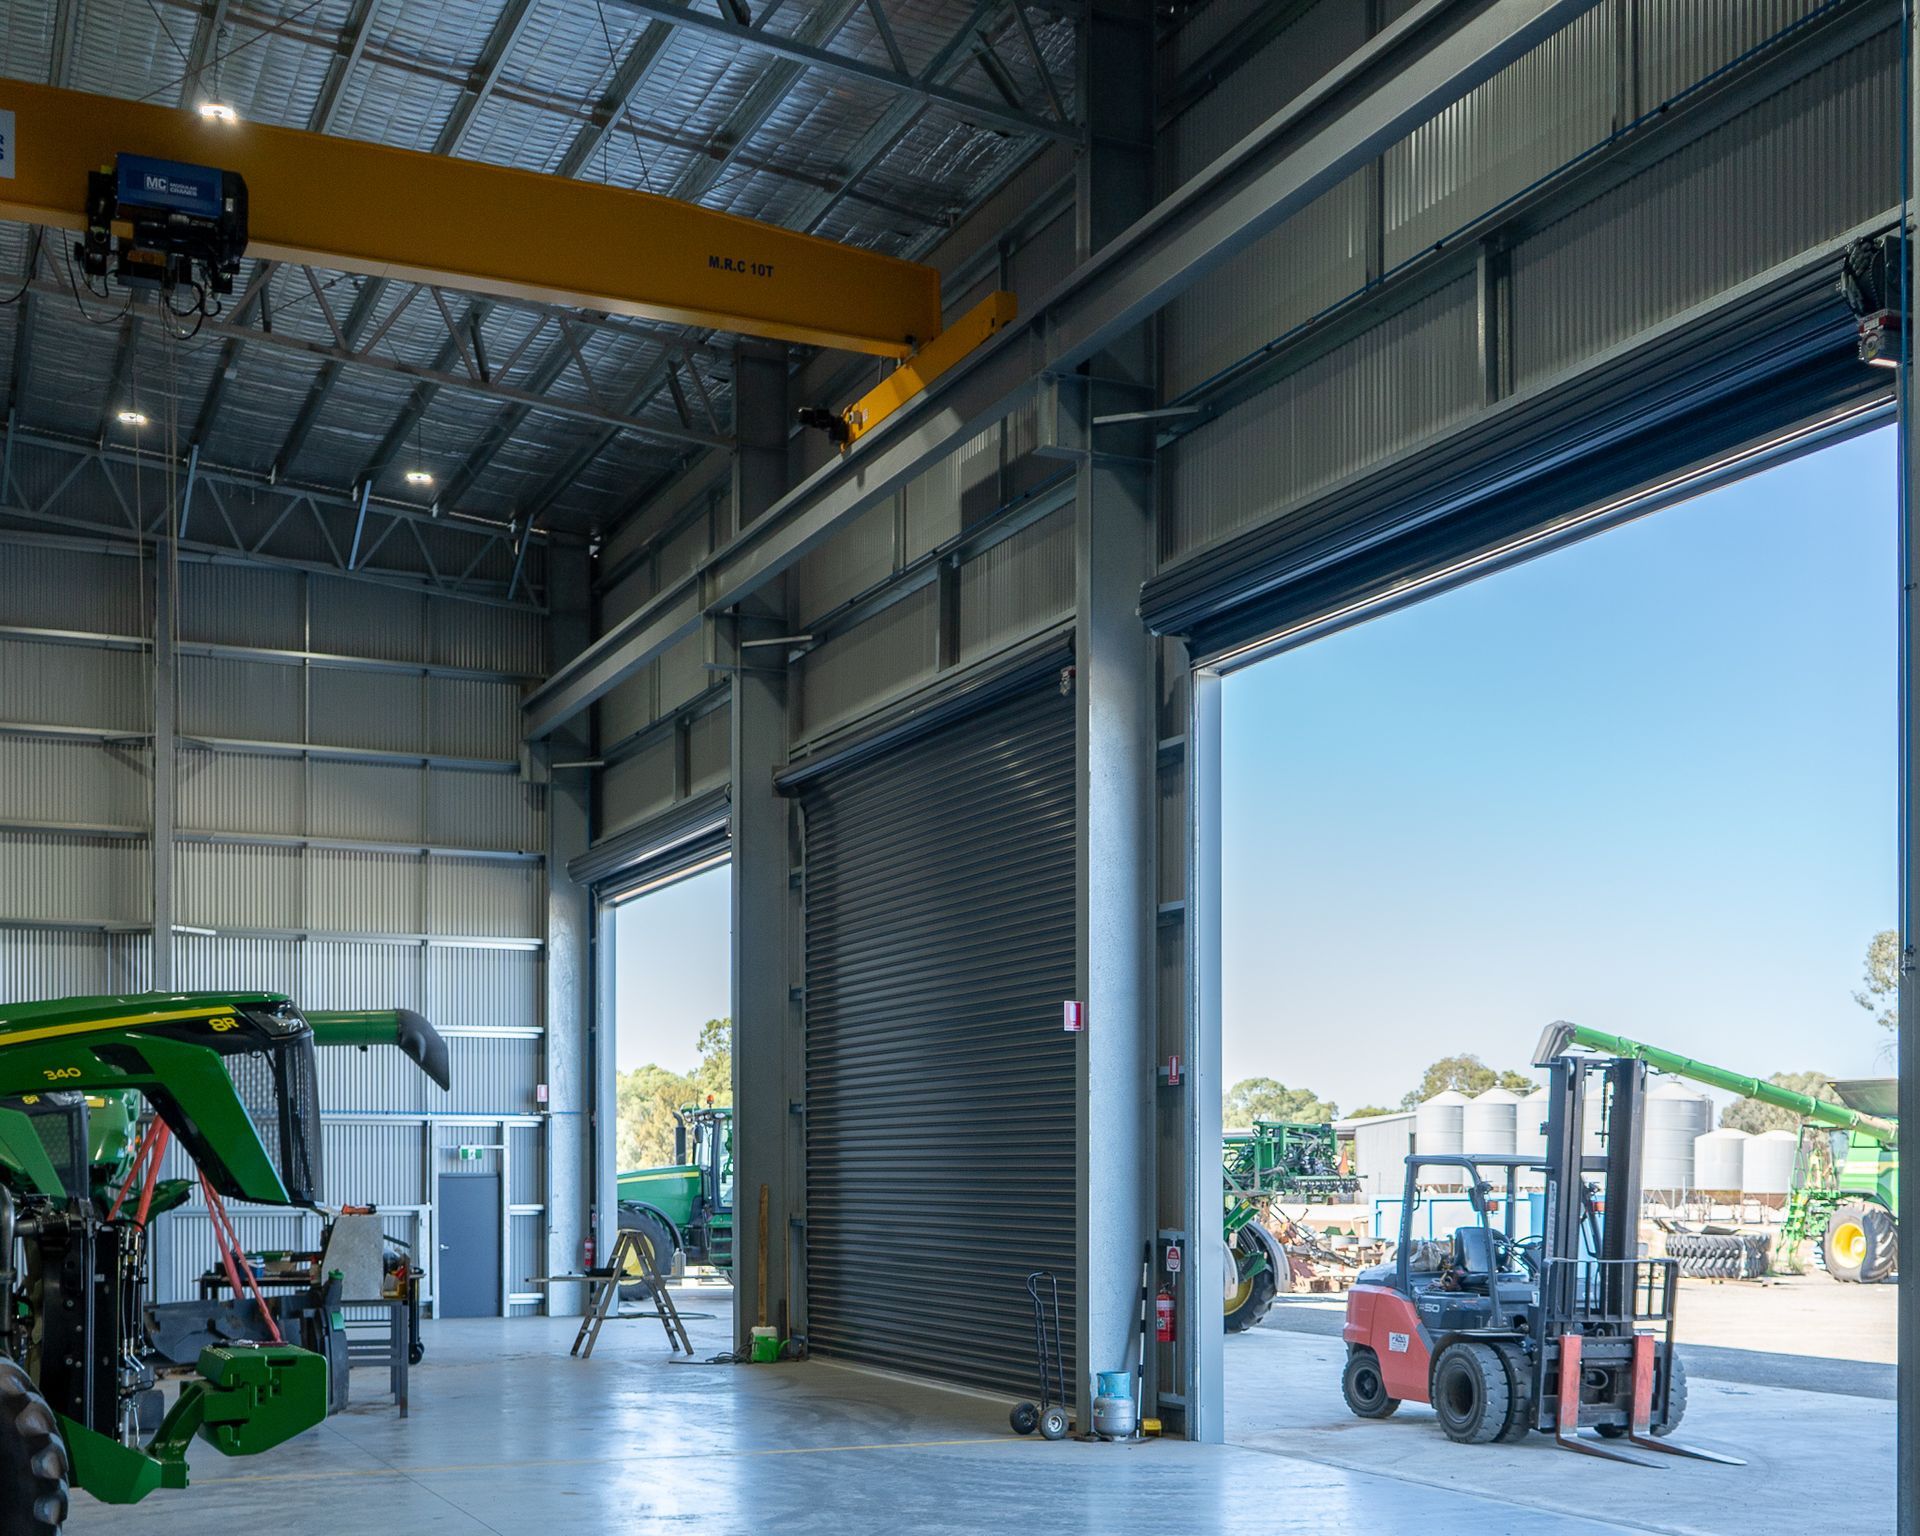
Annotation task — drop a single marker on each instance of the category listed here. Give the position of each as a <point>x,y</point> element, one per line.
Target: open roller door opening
<point>1646,784</point>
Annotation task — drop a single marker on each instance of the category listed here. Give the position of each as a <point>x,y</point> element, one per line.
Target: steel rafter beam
<point>353,47</point>
<point>1432,57</point>
<point>479,87</point>
<point>206,40</point>
<point>974,109</point>
<point>441,374</point>
<point>761,101</point>
<point>334,513</point>
<point>627,83</point>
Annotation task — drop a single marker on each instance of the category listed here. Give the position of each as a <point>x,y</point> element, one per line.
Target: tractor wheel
<point>1720,1255</point>
<point>33,1459</point>
<point>1364,1388</point>
<point>659,1240</point>
<point>1861,1243</point>
<point>1469,1392</point>
<point>1252,1295</point>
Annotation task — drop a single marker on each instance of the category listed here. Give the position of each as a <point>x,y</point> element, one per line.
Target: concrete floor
<point>511,1437</point>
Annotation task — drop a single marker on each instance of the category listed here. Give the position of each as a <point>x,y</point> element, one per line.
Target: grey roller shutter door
<point>940,1085</point>
<point>1769,359</point>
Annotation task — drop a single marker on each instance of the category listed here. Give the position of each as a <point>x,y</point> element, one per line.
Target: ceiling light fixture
<point>218,112</point>
<point>133,418</point>
<point>419,477</point>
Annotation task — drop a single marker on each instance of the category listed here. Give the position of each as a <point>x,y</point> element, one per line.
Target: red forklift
<point>1559,1330</point>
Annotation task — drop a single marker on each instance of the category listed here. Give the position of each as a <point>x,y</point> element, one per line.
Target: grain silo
<point>1676,1117</point>
<point>1489,1122</point>
<point>1530,1133</point>
<point>1439,1126</point>
<point>1718,1157</point>
<point>1767,1163</point>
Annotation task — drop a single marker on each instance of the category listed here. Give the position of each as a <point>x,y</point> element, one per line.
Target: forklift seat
<point>1473,1255</point>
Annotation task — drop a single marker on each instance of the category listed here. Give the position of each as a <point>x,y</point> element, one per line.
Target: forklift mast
<point>1600,1294</point>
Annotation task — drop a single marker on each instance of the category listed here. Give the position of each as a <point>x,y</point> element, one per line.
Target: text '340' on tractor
<point>229,1075</point>
<point>1561,1330</point>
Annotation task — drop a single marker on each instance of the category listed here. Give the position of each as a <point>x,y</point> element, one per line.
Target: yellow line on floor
<point>599,1461</point>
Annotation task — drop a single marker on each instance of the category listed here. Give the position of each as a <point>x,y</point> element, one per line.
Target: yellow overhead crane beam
<point>385,212</point>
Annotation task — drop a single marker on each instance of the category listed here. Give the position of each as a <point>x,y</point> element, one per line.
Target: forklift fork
<point>1566,1426</point>
<point>1641,1432</point>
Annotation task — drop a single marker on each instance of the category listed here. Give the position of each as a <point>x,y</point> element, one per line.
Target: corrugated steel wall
<point>354,828</point>
<point>1799,168</point>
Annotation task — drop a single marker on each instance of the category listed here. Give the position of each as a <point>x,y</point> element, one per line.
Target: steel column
<point>1114,726</point>
<point>1907,1388</point>
<point>765,1134</point>
<point>166,576</point>
<point>569,968</point>
<point>1199,1354</point>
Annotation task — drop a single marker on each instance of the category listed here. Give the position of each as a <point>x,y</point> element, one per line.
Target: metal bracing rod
<point>1401,78</point>
<point>975,109</point>
<point>627,83</point>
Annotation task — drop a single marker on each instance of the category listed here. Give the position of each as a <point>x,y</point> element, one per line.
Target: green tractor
<point>687,1205</point>
<point>1846,1185</point>
<point>229,1075</point>
<point>1287,1159</point>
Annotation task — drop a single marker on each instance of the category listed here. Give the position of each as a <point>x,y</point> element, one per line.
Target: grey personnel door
<point>469,1225</point>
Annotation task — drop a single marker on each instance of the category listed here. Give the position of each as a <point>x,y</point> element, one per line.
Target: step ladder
<point>603,1297</point>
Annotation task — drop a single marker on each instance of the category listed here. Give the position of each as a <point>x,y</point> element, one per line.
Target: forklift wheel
<point>416,1353</point>
<point>1362,1386</point>
<point>1519,1392</point>
<point>1469,1391</point>
<point>1025,1418</point>
<point>1053,1424</point>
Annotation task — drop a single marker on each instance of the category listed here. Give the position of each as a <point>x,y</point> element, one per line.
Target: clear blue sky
<point>672,970</point>
<point>1646,783</point>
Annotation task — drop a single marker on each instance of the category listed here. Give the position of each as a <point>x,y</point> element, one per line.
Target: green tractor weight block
<point>244,1402</point>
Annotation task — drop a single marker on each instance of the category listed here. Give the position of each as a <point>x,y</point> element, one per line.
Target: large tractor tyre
<point>33,1459</point>
<point>1861,1243</point>
<point>1470,1393</point>
<point>658,1237</point>
<point>1364,1388</point>
<point>1720,1256</point>
<point>1250,1296</point>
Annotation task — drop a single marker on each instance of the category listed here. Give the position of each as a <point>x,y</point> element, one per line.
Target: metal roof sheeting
<point>731,126</point>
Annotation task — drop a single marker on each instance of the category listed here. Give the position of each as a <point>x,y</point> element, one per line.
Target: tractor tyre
<point>1470,1394</point>
<point>1363,1386</point>
<point>658,1237</point>
<point>1252,1295</point>
<point>1719,1255</point>
<point>1861,1243</point>
<point>33,1459</point>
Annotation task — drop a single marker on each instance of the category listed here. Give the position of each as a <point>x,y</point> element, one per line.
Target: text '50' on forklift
<point>1563,1330</point>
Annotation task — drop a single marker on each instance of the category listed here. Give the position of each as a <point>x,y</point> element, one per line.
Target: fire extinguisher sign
<point>1173,1258</point>
<point>1075,1018</point>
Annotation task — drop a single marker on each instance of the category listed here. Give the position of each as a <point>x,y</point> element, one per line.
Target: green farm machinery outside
<point>1276,1159</point>
<point>1846,1183</point>
<point>688,1204</point>
<point>231,1076</point>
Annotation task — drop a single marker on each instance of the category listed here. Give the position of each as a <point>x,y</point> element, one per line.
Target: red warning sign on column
<point>1076,1019</point>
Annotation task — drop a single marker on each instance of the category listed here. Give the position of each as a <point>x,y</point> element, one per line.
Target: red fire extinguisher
<point>1163,1316</point>
<point>590,1248</point>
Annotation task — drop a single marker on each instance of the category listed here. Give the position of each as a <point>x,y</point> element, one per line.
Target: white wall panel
<point>58,877</point>
<point>356,618</point>
<point>44,778</point>
<point>353,892</point>
<point>870,663</point>
<point>473,988</point>
<point>239,791</point>
<point>43,684</point>
<point>370,802</point>
<point>485,810</point>
<point>1019,586</point>
<point>242,700</point>
<point>42,587</point>
<point>243,605</point>
<point>636,787</point>
<point>240,965</point>
<point>469,718</point>
<point>348,973</point>
<point>484,898</point>
<point>356,708</point>
<point>709,746</point>
<point>237,885</point>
